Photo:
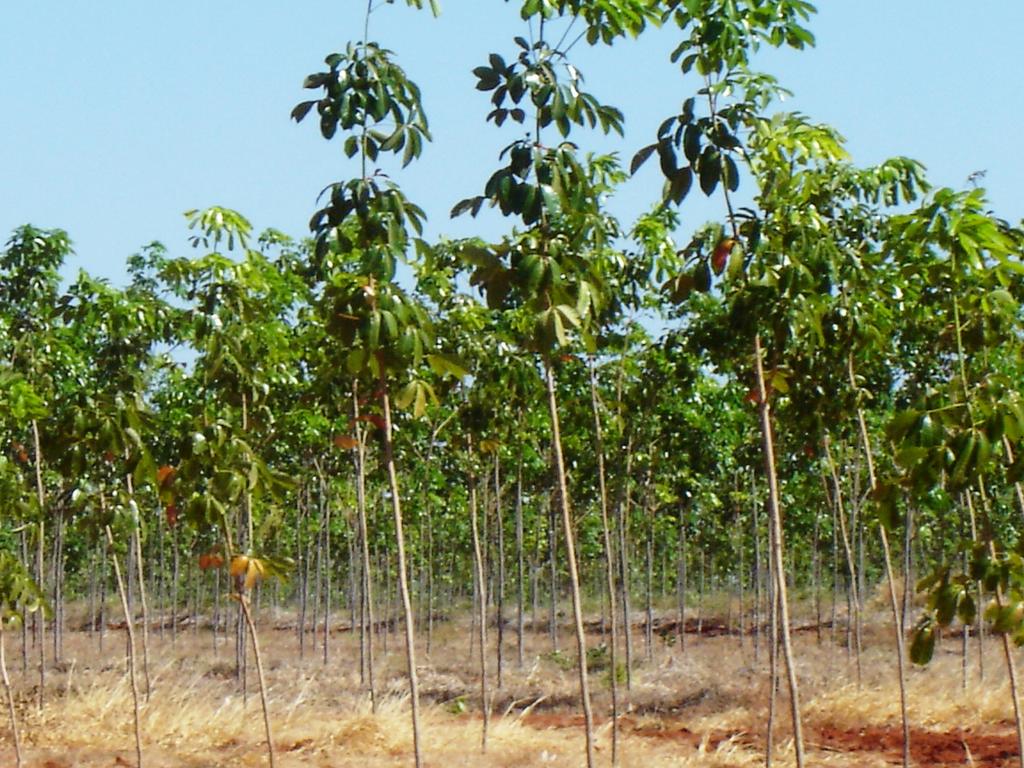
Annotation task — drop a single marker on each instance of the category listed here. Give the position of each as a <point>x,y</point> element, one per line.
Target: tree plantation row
<point>367,428</point>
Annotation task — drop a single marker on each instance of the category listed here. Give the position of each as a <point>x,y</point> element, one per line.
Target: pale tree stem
<point>136,527</point>
<point>851,566</point>
<point>365,543</point>
<point>40,570</point>
<point>403,579</point>
<point>244,603</point>
<point>778,565</point>
<point>10,698</point>
<point>481,591</point>
<point>131,643</point>
<point>609,560</point>
<point>570,547</point>
<point>893,600</point>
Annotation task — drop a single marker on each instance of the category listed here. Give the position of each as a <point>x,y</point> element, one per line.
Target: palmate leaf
<point>414,396</point>
<point>17,588</point>
<point>448,365</point>
<point>254,568</point>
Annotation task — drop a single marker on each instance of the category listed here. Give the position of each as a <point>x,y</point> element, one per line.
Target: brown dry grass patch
<point>704,707</point>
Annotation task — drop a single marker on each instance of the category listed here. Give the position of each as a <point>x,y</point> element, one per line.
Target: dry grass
<point>706,707</point>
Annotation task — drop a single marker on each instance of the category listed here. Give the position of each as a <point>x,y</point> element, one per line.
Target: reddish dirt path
<point>957,747</point>
<point>927,748</point>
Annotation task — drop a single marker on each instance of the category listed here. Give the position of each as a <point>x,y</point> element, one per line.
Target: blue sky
<point>120,115</point>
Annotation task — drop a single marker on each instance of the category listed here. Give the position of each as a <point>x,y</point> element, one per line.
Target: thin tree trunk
<point>520,574</point>
<point>474,616</point>
<point>161,595</point>
<point>609,560</point>
<point>216,610</point>
<point>24,611</point>
<point>893,599</point>
<point>316,559</point>
<point>499,596</point>
<point>131,644</point>
<point>649,573</point>
<point>175,578</point>
<point>58,587</point>
<point>965,634</point>
<point>623,525</point>
<point>758,573</point>
<point>700,597</point>
<point>553,563</point>
<point>773,655</point>
<point>248,542</point>
<point>570,547</point>
<point>816,576</point>
<point>430,577</point>
<point>850,563</point>
<point>302,567</point>
<point>244,603</point>
<point>386,599</point>
<point>41,533</point>
<point>980,620</point>
<point>481,605</point>
<point>92,594</point>
<point>325,504</point>
<point>360,460</point>
<point>140,574</point>
<point>835,560</point>
<point>775,513</point>
<point>535,567</point>
<point>403,581</point>
<point>10,700</point>
<point>104,578</point>
<point>740,571</point>
<point>353,596</point>
<point>197,594</point>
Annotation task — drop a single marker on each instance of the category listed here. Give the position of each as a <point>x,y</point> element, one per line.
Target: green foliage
<point>363,89</point>
<point>871,295</point>
<point>18,591</point>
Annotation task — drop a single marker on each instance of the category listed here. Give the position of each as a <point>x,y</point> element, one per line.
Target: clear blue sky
<point>120,115</point>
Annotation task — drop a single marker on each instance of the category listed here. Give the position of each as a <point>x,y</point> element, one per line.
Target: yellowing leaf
<point>345,442</point>
<point>779,382</point>
<point>165,475</point>
<point>239,565</point>
<point>253,573</point>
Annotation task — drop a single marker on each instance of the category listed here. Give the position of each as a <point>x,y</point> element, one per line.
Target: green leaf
<point>679,186</point>
<point>641,157</point>
<point>559,328</point>
<point>710,171</point>
<point>301,110</point>
<point>702,277</point>
<point>901,424</point>
<point>967,610</point>
<point>667,156</point>
<point>731,174</point>
<point>923,646</point>
<point>448,365</point>
<point>780,383</point>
